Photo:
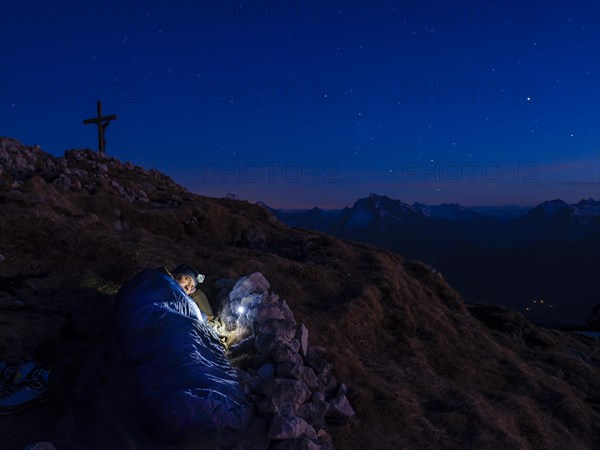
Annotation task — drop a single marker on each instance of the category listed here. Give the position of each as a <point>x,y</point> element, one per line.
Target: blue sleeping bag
<point>186,385</point>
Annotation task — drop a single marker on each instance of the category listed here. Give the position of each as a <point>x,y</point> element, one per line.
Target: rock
<point>259,281</point>
<point>276,406</point>
<point>273,308</point>
<point>285,389</point>
<point>247,390</point>
<point>325,440</point>
<point>290,427</point>
<point>331,385</point>
<point>286,355</point>
<point>250,300</point>
<point>246,296</point>
<point>255,384</point>
<point>244,346</point>
<point>299,372</point>
<point>254,283</point>
<point>269,312</point>
<point>282,385</point>
<point>321,366</point>
<point>340,407</point>
<point>21,164</point>
<point>266,371</point>
<point>3,154</point>
<point>268,344</point>
<point>66,182</point>
<point>317,397</point>
<point>297,444</point>
<point>313,413</point>
<point>302,336</point>
<point>63,181</point>
<point>284,329</point>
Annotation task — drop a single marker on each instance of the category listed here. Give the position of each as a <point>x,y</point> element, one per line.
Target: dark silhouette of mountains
<point>541,261</point>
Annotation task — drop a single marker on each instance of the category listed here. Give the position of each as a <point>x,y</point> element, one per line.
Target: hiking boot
<point>14,375</point>
<point>28,387</point>
<point>23,371</point>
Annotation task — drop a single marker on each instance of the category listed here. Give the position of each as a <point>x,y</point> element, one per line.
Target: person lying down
<point>161,379</point>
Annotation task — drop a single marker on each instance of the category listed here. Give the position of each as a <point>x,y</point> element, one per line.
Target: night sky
<point>303,103</point>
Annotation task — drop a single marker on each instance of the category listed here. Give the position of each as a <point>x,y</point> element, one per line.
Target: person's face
<point>187,283</point>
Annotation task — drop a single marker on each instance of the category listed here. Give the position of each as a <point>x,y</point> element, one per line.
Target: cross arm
<point>100,119</point>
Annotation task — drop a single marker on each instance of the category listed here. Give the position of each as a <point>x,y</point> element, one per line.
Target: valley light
<point>240,310</point>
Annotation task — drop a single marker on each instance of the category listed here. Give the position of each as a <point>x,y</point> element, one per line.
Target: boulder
<point>266,371</point>
<point>290,391</point>
<point>299,372</point>
<point>286,355</point>
<point>290,427</point>
<point>302,336</point>
<point>254,283</point>
<point>285,329</point>
<point>319,364</point>
<point>314,413</point>
<point>339,407</point>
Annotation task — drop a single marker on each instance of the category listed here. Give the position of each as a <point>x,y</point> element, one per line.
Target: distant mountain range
<point>513,255</point>
<point>579,218</point>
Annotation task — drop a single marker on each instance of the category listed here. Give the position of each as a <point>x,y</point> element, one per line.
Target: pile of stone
<point>79,169</point>
<point>290,383</point>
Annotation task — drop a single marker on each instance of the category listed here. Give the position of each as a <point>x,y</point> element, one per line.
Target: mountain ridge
<point>503,212</point>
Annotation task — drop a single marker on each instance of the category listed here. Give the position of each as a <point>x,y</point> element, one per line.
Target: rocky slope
<point>422,368</point>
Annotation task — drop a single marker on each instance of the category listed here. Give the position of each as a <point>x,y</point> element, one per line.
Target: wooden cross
<point>102,123</point>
